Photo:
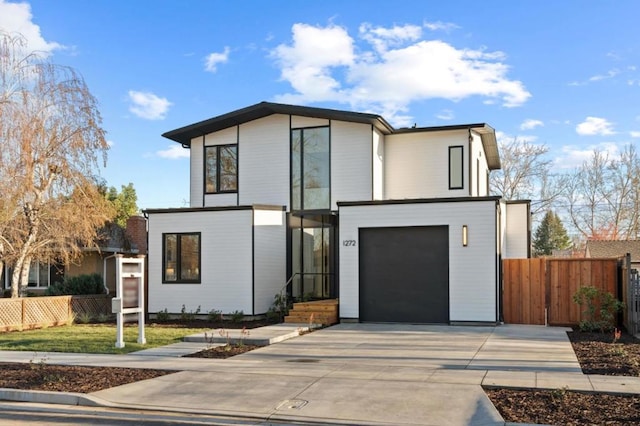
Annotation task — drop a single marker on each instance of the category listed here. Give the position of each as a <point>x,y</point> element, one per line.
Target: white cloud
<point>111,143</point>
<point>148,105</point>
<point>504,138</point>
<point>445,114</point>
<point>17,18</point>
<point>174,152</point>
<point>610,74</point>
<point>635,134</point>
<point>572,156</point>
<point>324,64</point>
<point>439,25</point>
<point>382,38</point>
<point>529,124</point>
<point>213,59</point>
<point>595,126</point>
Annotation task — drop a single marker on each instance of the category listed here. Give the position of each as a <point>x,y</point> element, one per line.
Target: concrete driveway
<point>364,374</point>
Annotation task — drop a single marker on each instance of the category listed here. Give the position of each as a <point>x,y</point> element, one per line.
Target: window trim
<point>452,150</point>
<point>179,236</point>
<point>218,148</point>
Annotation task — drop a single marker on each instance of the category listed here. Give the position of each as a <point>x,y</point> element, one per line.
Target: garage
<point>404,274</point>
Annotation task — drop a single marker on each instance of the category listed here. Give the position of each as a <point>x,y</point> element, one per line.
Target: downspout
<point>104,271</point>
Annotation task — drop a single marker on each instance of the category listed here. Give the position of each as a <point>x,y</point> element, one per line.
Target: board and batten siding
<point>270,257</point>
<point>378,165</point>
<point>263,155</point>
<point>472,269</point>
<point>517,233</point>
<point>226,259</point>
<point>416,164</point>
<point>351,167</point>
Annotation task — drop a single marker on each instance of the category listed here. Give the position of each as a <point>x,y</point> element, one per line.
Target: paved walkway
<point>347,374</point>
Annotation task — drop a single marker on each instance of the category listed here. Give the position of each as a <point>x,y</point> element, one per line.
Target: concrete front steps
<point>323,312</point>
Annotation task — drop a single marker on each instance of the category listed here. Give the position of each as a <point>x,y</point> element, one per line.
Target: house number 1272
<point>349,243</point>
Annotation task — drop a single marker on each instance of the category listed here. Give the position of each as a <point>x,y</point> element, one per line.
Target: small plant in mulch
<point>228,349</point>
<point>600,308</point>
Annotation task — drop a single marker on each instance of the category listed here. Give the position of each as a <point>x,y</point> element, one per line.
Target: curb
<point>46,397</point>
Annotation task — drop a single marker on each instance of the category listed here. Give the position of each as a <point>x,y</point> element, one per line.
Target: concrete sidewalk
<point>352,374</point>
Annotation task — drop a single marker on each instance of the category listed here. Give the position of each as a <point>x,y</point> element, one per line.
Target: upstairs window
<point>310,169</point>
<point>221,169</point>
<point>181,258</point>
<point>456,171</point>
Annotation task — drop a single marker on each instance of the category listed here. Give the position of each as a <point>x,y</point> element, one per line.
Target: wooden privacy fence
<point>538,289</point>
<point>35,312</point>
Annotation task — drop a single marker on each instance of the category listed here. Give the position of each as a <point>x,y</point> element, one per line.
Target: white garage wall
<point>270,257</point>
<point>472,269</point>
<point>226,261</point>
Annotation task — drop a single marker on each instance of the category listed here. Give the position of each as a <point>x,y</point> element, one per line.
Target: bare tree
<point>603,196</point>
<point>526,175</point>
<point>52,136</point>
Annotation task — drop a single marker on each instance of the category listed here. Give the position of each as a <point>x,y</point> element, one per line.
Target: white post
<point>141,338</point>
<point>118,303</point>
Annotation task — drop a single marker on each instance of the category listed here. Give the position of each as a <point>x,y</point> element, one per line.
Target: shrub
<point>81,284</point>
<point>236,316</point>
<point>602,319</point>
<point>214,315</point>
<point>163,315</point>
<point>83,318</point>
<point>188,316</point>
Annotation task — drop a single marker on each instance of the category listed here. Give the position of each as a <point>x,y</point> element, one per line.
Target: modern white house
<point>397,224</point>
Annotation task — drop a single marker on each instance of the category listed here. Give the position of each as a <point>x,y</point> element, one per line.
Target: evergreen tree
<point>550,235</point>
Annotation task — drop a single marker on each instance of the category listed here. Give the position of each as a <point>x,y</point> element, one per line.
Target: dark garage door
<point>404,274</point>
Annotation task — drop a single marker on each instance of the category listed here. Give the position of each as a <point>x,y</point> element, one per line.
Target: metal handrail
<point>290,280</point>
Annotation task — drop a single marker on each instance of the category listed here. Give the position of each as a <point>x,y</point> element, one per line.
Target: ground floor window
<point>39,275</point>
<point>181,257</point>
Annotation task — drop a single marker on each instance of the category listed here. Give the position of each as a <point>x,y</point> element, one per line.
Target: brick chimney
<point>137,233</point>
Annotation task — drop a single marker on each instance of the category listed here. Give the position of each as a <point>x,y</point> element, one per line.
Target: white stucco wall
<point>416,165</point>
<point>517,223</point>
<point>270,257</point>
<point>472,269</point>
<point>351,174</point>
<point>263,169</point>
<point>226,261</point>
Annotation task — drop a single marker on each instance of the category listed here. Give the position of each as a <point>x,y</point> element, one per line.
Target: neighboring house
<point>615,248</point>
<point>396,223</point>
<point>131,241</point>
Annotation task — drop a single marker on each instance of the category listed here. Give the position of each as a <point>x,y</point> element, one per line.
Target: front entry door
<point>312,257</point>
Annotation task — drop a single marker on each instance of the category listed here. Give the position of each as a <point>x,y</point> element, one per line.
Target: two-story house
<point>396,223</point>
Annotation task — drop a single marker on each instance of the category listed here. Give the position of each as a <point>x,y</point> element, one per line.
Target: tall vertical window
<point>310,169</point>
<point>221,168</point>
<point>456,172</point>
<point>181,258</point>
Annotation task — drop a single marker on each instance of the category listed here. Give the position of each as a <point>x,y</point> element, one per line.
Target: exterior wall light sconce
<point>465,235</point>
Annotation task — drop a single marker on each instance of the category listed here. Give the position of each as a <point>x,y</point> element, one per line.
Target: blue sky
<point>565,73</point>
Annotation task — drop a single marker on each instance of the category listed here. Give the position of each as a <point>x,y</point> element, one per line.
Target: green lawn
<point>95,339</point>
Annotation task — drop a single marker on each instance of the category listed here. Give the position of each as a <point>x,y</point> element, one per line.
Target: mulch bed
<point>222,352</point>
<point>597,354</point>
<point>70,378</point>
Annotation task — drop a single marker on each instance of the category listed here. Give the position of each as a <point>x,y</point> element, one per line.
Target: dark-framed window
<point>310,168</point>
<point>456,167</point>
<point>220,169</point>
<point>181,258</point>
